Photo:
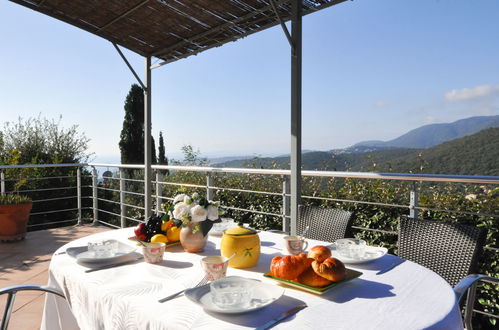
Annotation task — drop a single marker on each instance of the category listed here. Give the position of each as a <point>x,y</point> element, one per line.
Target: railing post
<point>286,204</point>
<point>413,204</point>
<point>159,190</point>
<point>209,184</point>
<point>122,198</point>
<point>2,185</point>
<point>95,205</point>
<point>78,192</point>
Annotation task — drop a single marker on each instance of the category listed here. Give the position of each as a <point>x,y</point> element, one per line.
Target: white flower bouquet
<point>193,210</point>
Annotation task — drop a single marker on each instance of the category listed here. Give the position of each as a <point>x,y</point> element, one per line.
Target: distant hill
<point>324,160</point>
<point>431,135</point>
<point>477,154</point>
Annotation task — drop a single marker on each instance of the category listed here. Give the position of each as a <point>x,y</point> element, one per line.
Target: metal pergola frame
<point>294,38</point>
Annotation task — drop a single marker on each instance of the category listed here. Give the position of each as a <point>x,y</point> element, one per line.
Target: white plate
<point>372,253</point>
<point>82,254</point>
<point>263,295</point>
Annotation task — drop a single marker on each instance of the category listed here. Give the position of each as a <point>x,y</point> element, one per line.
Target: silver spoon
<point>304,232</point>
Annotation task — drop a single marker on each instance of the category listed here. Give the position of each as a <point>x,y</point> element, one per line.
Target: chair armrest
<point>30,287</point>
<point>462,287</point>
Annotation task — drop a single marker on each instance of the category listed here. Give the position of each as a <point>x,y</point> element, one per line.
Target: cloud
<point>477,92</point>
<point>381,103</point>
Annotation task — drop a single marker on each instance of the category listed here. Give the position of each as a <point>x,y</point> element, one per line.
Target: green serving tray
<point>351,274</point>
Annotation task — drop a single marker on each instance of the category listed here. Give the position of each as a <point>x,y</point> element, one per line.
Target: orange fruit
<point>173,234</point>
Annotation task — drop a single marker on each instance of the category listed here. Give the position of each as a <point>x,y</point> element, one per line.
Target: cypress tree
<point>162,157</point>
<point>132,134</point>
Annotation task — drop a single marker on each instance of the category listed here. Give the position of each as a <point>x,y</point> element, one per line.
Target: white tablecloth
<point>407,297</point>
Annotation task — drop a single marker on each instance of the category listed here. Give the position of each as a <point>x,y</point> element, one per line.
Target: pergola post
<point>147,141</point>
<point>296,57</point>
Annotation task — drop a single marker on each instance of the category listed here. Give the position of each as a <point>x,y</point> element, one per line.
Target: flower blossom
<point>180,210</point>
<point>178,198</point>
<point>198,213</point>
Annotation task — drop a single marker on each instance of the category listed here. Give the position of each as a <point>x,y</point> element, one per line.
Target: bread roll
<point>331,269</point>
<point>289,267</point>
<point>310,278</point>
<point>319,253</point>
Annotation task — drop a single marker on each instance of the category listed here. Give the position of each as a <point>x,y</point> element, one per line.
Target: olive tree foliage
<point>40,140</point>
<point>43,141</point>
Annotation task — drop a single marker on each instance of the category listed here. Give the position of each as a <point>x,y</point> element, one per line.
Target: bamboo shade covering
<point>171,29</point>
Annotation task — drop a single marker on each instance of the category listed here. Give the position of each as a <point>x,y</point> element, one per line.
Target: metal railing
<point>413,206</point>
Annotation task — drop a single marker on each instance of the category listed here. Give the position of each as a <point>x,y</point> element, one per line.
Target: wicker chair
<point>450,250</point>
<point>325,224</point>
<point>12,290</point>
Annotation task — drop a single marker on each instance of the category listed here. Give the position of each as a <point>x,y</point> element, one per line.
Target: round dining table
<point>409,296</point>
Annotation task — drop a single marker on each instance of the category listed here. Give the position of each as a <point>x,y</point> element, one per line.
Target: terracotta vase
<point>14,221</point>
<point>192,242</point>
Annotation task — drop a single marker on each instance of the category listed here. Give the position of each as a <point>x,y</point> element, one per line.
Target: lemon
<point>173,234</point>
<point>165,224</point>
<point>159,238</point>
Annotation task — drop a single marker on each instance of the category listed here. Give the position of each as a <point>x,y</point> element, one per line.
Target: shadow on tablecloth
<point>358,288</point>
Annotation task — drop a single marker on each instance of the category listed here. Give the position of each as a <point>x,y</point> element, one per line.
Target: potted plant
<point>14,216</point>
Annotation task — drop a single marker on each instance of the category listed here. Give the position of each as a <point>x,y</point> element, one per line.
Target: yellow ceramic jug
<point>244,243</point>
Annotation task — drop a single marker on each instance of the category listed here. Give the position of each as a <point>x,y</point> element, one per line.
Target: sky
<point>372,70</point>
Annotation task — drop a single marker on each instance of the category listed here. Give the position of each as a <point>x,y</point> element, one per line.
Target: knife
<point>116,264</point>
<point>391,266</point>
<point>281,317</point>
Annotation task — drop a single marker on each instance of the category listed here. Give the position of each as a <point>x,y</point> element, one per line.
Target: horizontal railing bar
<point>353,201</point>
<point>53,199</point>
<point>43,165</point>
<point>252,211</point>
<point>108,224</point>
<point>51,223</point>
<point>496,250</point>
<point>118,215</point>
<point>485,313</point>
<point>457,211</point>
<point>247,191</point>
<point>190,185</point>
<point>44,189</point>
<point>117,190</point>
<point>118,203</point>
<point>42,178</point>
<point>55,211</point>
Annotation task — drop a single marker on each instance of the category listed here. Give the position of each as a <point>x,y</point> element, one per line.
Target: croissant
<point>290,267</point>
<point>331,269</point>
<point>319,253</point>
<point>310,278</point>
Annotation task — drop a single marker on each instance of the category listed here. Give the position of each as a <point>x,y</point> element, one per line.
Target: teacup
<point>295,244</point>
<point>215,267</point>
<point>153,252</point>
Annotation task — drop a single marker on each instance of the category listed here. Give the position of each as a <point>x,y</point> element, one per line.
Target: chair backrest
<point>326,224</point>
<point>450,250</point>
